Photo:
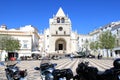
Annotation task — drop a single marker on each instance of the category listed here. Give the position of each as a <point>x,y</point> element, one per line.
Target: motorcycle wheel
<point>23,79</point>
<point>9,76</point>
<point>78,78</point>
<point>49,76</point>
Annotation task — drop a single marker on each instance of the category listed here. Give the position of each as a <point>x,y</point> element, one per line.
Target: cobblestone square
<point>61,64</point>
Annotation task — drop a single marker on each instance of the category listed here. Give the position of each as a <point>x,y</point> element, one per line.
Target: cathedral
<point>59,37</point>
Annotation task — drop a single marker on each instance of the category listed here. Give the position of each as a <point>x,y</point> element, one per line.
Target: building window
<point>58,20</point>
<point>77,38</point>
<point>25,43</point>
<point>47,35</point>
<point>106,27</point>
<point>64,32</point>
<point>101,29</point>
<point>56,32</point>
<point>109,25</point>
<point>62,20</point>
<point>81,40</point>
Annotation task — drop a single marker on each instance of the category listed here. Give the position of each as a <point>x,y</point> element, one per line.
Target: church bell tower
<point>60,31</point>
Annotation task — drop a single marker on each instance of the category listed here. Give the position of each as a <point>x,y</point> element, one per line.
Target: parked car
<point>90,56</point>
<point>36,56</point>
<point>55,57</point>
<point>67,55</point>
<point>80,55</point>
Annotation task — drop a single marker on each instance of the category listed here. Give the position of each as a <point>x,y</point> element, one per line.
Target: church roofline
<point>60,13</point>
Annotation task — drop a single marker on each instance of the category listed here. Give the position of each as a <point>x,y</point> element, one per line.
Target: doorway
<point>60,45</point>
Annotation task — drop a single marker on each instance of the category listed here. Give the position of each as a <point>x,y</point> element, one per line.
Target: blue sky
<point>86,15</point>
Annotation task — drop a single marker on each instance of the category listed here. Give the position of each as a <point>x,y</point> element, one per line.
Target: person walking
<point>71,56</point>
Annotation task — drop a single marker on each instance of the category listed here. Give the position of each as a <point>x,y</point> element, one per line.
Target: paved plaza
<point>61,64</point>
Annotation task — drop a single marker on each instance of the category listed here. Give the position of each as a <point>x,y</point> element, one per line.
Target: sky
<point>85,15</point>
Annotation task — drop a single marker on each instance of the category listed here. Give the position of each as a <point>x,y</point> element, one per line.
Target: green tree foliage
<point>3,39</point>
<point>8,43</point>
<point>107,41</point>
<point>94,45</point>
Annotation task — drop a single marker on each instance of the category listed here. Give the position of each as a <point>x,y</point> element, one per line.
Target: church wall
<point>66,29</point>
<point>74,46</point>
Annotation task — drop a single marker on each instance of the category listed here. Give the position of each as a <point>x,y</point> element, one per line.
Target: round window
<point>60,28</point>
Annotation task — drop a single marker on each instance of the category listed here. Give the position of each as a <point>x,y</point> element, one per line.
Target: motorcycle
<point>13,72</point>
<point>86,72</point>
<point>48,72</point>
<point>63,74</point>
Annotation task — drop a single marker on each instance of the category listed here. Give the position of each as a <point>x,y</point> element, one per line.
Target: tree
<point>3,38</point>
<point>8,43</point>
<point>107,41</point>
<point>94,45</point>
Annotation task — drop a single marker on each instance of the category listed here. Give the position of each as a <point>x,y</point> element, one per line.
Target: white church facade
<point>59,37</point>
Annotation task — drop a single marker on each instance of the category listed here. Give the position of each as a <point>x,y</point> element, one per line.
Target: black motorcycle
<point>62,74</point>
<point>112,73</point>
<point>13,72</point>
<point>86,72</point>
<point>48,72</point>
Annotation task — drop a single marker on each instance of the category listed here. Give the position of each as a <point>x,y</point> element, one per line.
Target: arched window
<point>58,20</point>
<point>64,32</point>
<point>62,20</point>
<point>56,32</point>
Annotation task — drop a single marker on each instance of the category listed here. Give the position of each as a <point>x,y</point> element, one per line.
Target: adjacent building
<point>28,37</point>
<point>114,28</point>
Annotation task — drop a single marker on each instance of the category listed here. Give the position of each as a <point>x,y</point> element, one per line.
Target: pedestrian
<point>71,56</point>
<point>99,56</point>
<point>12,59</point>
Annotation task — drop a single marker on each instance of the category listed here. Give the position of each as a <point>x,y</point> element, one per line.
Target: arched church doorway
<point>60,45</point>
